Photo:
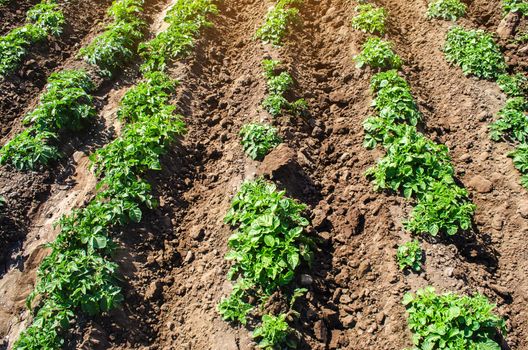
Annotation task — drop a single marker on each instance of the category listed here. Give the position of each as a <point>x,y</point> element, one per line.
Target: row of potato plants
<point>477,54</point>
<point>79,274</point>
<point>417,167</point>
<point>43,19</point>
<point>413,165</point>
<point>67,104</point>
<point>270,241</point>
<point>116,45</point>
<point>266,250</point>
<point>258,139</point>
<point>454,9</point>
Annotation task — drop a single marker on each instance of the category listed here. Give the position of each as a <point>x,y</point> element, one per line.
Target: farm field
<point>202,174</point>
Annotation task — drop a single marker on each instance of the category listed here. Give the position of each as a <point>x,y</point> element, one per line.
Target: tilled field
<point>171,264</point>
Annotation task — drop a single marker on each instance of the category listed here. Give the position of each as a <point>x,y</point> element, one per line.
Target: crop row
<point>43,19</point>
<point>417,167</point>
<point>269,243</point>
<point>477,54</point>
<point>454,9</point>
<point>79,275</point>
<point>66,105</point>
<point>413,165</point>
<point>115,46</point>
<point>266,249</point>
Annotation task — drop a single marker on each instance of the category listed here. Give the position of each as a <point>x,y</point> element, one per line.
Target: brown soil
<point>20,89</point>
<point>173,265</point>
<point>14,13</point>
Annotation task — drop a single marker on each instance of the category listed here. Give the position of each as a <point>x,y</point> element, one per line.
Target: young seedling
<point>513,122</point>
<point>258,140</point>
<point>513,85</point>
<point>378,53</point>
<point>273,333</point>
<point>278,21</point>
<point>446,9</point>
<point>370,19</point>
<point>409,255</point>
<point>279,83</point>
<point>444,208</point>
<point>520,160</point>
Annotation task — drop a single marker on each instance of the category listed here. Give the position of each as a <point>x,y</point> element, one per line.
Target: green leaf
<point>269,240</point>
<point>293,260</point>
<point>135,215</point>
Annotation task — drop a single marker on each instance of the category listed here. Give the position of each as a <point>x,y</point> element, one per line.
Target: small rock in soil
<point>480,184</point>
<point>335,339</point>
<point>348,321</point>
<point>197,233</point>
<point>507,26</point>
<point>320,331</point>
<point>306,280</point>
<point>153,290</point>
<point>363,268</point>
<point>189,257</point>
<point>523,209</point>
<point>497,222</point>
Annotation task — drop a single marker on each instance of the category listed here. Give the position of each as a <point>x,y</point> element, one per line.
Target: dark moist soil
<point>24,192</point>
<point>173,264</point>
<point>13,14</point>
<point>19,90</point>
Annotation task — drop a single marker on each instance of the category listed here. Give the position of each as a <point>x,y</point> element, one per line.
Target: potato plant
<point>85,234</point>
<point>78,274</point>
<point>513,122</point>
<point>377,53</point>
<point>394,100</point>
<point>475,52</point>
<point>413,165</point>
<point>278,21</point>
<point>266,250</point>
<point>66,105</point>
<point>520,161</point>
<point>258,140</point>
<point>116,45</point>
<point>273,331</point>
<point>519,6</point>
<point>446,9</point>
<point>269,243</point>
<point>448,321</point>
<point>444,208</point>
<point>43,19</point>
<point>513,85</point>
<point>370,19</point>
<point>279,84</point>
<point>185,20</point>
<point>410,255</point>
